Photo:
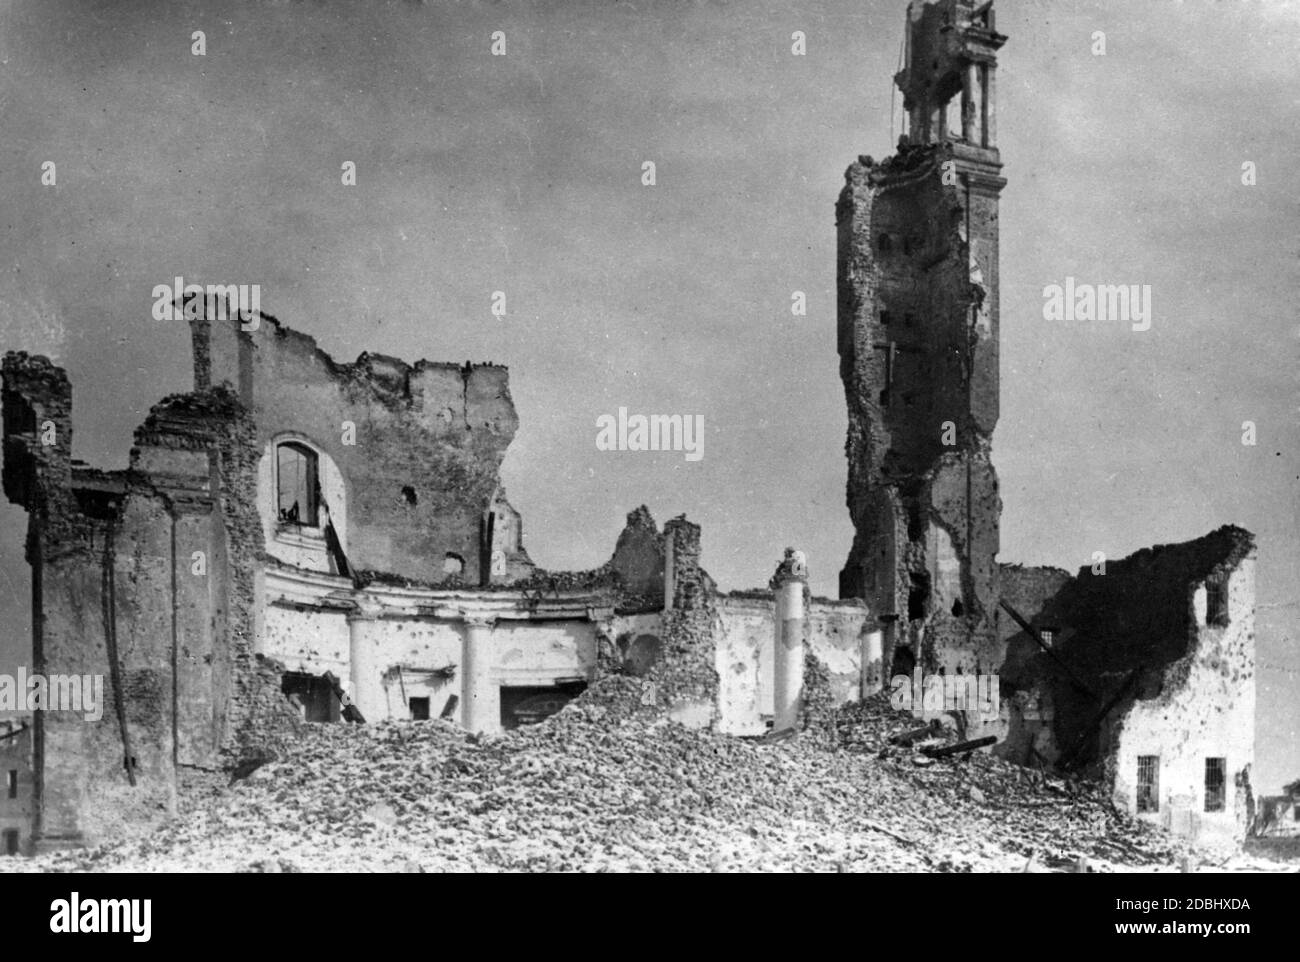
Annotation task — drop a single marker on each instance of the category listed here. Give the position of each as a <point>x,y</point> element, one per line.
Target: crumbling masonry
<point>299,540</point>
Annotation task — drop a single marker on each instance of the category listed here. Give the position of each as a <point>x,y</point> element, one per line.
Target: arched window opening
<point>298,483</point>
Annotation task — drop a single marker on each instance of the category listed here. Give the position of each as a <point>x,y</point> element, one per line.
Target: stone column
<point>990,107</point>
<point>480,695</point>
<point>365,671</point>
<point>787,654</point>
<point>969,102</point>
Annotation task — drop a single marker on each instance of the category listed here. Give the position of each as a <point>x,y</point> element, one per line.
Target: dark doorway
<point>530,705</point>
<point>904,661</point>
<point>11,841</point>
<point>313,694</point>
<point>419,709</point>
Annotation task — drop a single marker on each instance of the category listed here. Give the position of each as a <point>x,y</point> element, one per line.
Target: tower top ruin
<point>948,75</point>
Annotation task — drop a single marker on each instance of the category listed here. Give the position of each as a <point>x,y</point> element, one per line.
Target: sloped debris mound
<point>609,785</point>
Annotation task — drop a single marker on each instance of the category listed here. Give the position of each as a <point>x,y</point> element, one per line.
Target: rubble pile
<point>607,784</point>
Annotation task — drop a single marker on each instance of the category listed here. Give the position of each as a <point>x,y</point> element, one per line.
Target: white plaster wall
<point>1211,715</point>
<point>744,637</point>
<point>543,653</point>
<point>835,635</point>
<point>422,647</point>
<point>524,653</point>
<point>310,641</point>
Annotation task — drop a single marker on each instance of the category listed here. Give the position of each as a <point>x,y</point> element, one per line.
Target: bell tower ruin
<point>918,346</point>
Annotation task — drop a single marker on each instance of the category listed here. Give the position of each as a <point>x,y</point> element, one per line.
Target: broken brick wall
<point>687,678</point>
<point>144,577</point>
<point>419,447</point>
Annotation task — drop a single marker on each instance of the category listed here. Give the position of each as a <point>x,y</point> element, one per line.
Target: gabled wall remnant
<point>1158,661</point>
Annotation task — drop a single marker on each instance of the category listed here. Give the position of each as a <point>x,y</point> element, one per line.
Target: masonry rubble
<point>299,540</point>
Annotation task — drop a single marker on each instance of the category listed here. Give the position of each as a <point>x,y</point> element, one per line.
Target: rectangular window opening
<point>1215,782</point>
<point>313,694</point>
<point>1216,602</point>
<point>1148,783</point>
<point>298,483</point>
<point>419,709</point>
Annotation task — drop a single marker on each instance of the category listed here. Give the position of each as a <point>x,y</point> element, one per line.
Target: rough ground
<point>607,786</point>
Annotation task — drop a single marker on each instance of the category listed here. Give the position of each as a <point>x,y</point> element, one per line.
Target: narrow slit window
<point>1148,783</point>
<point>298,483</point>
<point>1215,783</point>
<point>1216,602</point>
<point>11,783</point>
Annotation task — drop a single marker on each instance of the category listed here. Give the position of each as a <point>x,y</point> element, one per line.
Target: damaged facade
<point>299,540</point>
<point>1141,673</point>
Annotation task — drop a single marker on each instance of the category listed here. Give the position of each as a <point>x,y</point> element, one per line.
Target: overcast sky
<point>522,173</point>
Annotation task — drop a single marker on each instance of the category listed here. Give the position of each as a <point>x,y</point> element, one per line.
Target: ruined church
<point>298,540</point>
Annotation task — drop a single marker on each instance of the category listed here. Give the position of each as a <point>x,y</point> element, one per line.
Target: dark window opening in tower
<point>958,609</point>
<point>915,520</point>
<point>918,596</point>
<point>904,661</point>
<point>297,483</point>
<point>884,318</point>
<point>408,495</point>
